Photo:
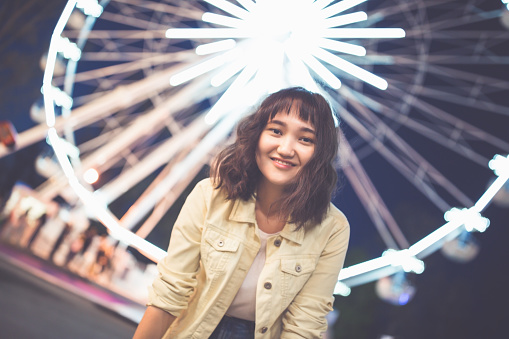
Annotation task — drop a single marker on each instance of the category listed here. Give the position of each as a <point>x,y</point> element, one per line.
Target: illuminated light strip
<point>224,103</point>
<point>500,165</point>
<point>60,151</point>
<point>342,47</point>
<point>116,231</point>
<point>322,71</point>
<point>432,238</point>
<point>320,4</point>
<point>101,213</point>
<point>350,68</point>
<point>47,87</point>
<point>201,68</point>
<point>345,19</point>
<point>248,4</point>
<point>227,72</point>
<point>218,33</point>
<point>363,33</point>
<point>427,242</point>
<point>215,47</point>
<point>340,7</point>
<point>342,289</point>
<point>300,73</point>
<point>364,267</point>
<point>222,20</point>
<point>229,8</point>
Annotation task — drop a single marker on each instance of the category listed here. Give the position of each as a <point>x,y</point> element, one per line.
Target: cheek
<point>308,155</point>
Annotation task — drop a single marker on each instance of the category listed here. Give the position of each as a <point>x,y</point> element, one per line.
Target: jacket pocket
<point>218,250</point>
<point>295,272</point>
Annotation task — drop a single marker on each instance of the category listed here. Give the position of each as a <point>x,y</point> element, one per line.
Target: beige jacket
<point>212,246</point>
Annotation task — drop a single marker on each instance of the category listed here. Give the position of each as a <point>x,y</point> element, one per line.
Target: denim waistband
<point>234,328</point>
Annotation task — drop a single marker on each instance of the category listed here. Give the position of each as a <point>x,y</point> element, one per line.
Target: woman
<point>256,249</point>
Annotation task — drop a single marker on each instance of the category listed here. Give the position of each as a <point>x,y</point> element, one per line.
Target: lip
<point>280,163</point>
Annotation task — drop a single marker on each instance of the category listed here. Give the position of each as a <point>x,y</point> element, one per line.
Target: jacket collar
<point>244,212</point>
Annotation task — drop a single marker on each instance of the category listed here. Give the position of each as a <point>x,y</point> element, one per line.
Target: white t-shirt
<point>244,303</point>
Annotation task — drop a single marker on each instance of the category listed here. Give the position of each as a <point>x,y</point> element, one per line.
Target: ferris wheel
<point>143,93</point>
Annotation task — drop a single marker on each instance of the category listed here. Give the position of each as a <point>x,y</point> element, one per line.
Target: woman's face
<point>285,146</point>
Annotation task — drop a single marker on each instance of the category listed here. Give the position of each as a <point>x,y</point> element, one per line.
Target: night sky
<point>453,300</point>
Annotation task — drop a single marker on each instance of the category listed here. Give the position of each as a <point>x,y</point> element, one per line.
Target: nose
<point>286,147</point>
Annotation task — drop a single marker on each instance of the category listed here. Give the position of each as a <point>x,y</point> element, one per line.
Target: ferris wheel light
<point>64,146</point>
<point>321,3</point>
<point>405,259</point>
<point>91,176</point>
<point>222,20</point>
<point>364,33</point>
<point>59,97</point>
<point>346,19</point>
<point>343,47</point>
<point>352,69</point>
<point>229,8</point>
<point>215,47</point>
<point>206,33</point>
<point>68,49</point>
<point>199,69</point>
<point>339,7</point>
<point>469,217</point>
<point>90,7</point>
<point>304,34</point>
<point>322,71</point>
<point>247,4</point>
<point>500,165</point>
<point>227,72</point>
<point>342,289</point>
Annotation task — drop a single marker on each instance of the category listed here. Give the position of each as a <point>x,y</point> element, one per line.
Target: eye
<point>307,140</point>
<point>275,131</point>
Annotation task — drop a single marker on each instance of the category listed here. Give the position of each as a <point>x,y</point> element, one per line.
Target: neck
<point>268,214</point>
<point>266,195</point>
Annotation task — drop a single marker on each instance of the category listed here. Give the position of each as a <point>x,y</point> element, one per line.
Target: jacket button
<point>298,268</point>
<point>267,285</point>
<point>220,243</point>
<point>277,242</point>
<point>264,329</point>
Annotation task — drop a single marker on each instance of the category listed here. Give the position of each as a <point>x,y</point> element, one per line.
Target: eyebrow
<point>280,123</point>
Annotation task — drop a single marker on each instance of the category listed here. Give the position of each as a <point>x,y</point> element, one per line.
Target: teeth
<point>283,162</point>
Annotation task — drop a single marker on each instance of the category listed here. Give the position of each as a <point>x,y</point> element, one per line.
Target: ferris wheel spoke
<point>409,162</point>
<point>373,203</point>
<point>452,134</point>
<point>154,160</point>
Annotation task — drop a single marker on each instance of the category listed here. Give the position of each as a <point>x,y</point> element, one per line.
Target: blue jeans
<point>234,328</point>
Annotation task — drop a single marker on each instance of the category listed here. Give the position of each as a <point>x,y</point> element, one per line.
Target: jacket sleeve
<point>305,316</point>
<point>176,279</point>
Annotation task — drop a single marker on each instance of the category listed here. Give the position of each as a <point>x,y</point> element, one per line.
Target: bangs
<point>305,111</point>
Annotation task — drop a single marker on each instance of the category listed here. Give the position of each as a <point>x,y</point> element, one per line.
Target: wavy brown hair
<point>307,198</point>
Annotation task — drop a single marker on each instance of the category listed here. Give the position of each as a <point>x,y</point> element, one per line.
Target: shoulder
<point>335,219</point>
<point>206,190</point>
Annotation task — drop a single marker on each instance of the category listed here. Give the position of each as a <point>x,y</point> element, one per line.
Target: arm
<point>176,279</point>
<point>305,317</point>
<point>154,324</point>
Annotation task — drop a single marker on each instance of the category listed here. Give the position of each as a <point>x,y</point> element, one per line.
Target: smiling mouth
<point>282,162</point>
